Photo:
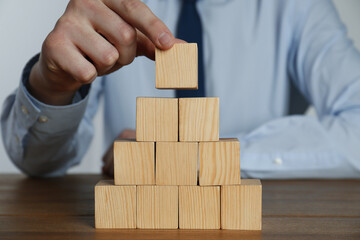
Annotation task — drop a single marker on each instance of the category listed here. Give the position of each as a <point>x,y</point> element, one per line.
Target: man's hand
<point>94,38</point>
<point>108,158</point>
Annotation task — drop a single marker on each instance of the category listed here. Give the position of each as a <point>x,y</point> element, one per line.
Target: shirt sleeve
<point>325,66</point>
<point>44,140</point>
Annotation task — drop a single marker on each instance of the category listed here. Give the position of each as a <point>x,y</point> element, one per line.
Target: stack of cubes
<point>178,173</point>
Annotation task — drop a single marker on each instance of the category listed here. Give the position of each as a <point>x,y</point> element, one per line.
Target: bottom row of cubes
<point>184,207</point>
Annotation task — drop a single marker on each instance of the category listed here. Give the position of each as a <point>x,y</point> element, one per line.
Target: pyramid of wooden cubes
<point>178,173</point>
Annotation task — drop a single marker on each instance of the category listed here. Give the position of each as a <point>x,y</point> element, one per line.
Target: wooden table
<point>63,208</point>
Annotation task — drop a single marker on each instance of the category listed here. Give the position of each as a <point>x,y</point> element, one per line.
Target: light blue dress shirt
<point>252,49</point>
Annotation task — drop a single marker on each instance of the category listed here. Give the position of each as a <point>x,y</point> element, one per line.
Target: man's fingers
<point>110,171</point>
<point>117,32</point>
<point>144,46</point>
<point>108,167</point>
<point>108,158</point>
<point>127,133</point>
<point>141,17</point>
<point>177,40</point>
<point>66,57</point>
<point>108,154</point>
<point>103,54</point>
<point>108,163</point>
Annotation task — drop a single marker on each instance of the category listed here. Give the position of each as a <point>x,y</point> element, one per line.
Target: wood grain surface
<point>199,119</point>
<point>115,206</point>
<point>134,162</point>
<point>177,68</point>
<point>199,207</point>
<point>219,162</point>
<point>157,207</point>
<point>63,208</point>
<point>241,205</point>
<point>176,163</point>
<point>157,119</point>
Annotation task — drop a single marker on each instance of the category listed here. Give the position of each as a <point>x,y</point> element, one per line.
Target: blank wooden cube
<point>157,119</point>
<point>199,207</point>
<point>241,205</point>
<point>115,206</point>
<point>157,207</point>
<point>134,162</point>
<point>219,162</point>
<point>198,119</point>
<point>177,67</point>
<point>176,163</point>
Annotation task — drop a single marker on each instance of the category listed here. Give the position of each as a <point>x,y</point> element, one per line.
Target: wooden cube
<point>198,119</point>
<point>199,207</point>
<point>177,67</point>
<point>157,119</point>
<point>115,206</point>
<point>219,162</point>
<point>134,162</point>
<point>241,205</point>
<point>176,163</point>
<point>157,207</point>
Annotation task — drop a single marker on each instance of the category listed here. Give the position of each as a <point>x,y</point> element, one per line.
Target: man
<point>250,51</point>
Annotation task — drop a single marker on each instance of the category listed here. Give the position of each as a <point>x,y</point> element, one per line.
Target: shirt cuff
<point>46,118</point>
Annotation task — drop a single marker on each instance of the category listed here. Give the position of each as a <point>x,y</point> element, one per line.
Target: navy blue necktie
<point>297,102</point>
<point>189,29</point>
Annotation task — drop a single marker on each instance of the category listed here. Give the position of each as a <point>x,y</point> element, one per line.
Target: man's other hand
<point>108,158</point>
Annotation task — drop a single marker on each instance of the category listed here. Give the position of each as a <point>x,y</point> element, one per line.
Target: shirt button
<point>43,119</point>
<point>17,139</point>
<point>24,109</point>
<point>278,161</point>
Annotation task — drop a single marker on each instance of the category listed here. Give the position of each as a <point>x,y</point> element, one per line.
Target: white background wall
<point>22,39</point>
